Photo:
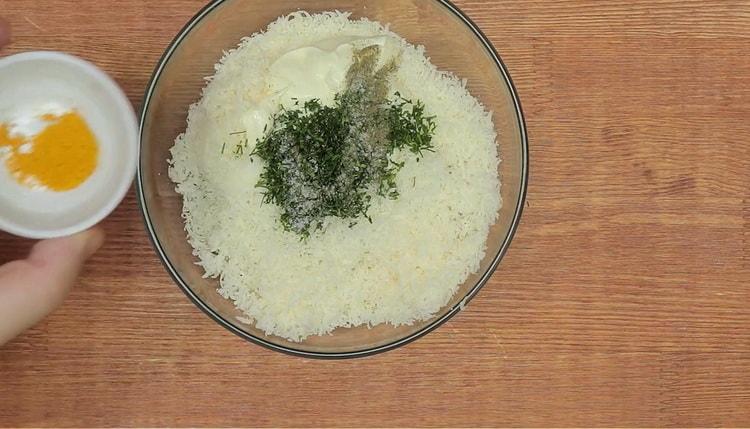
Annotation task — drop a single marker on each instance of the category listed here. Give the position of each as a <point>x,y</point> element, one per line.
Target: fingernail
<point>94,240</point>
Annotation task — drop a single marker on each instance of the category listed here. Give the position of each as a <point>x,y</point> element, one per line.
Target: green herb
<point>240,146</point>
<point>325,161</point>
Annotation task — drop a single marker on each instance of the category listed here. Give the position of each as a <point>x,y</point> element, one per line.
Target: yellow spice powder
<point>61,157</point>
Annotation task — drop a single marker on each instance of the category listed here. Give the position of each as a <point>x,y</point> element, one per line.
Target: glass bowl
<point>453,43</point>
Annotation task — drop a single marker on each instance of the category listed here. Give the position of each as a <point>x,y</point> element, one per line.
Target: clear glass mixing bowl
<point>453,43</point>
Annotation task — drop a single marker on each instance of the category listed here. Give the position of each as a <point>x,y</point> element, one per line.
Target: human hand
<point>32,288</point>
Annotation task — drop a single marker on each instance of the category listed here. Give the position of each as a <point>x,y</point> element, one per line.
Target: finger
<point>33,288</point>
<point>63,258</point>
<point>4,33</point>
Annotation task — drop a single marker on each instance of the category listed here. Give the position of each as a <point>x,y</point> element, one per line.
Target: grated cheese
<point>402,268</point>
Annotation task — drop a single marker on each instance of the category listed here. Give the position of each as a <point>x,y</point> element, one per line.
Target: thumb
<point>32,288</point>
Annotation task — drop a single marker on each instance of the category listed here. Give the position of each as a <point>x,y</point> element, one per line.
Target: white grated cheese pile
<point>401,268</point>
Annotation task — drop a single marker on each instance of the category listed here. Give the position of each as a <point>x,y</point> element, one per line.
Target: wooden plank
<point>623,300</point>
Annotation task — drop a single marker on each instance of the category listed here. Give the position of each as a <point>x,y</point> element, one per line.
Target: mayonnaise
<point>316,71</point>
<point>310,72</point>
<point>319,70</point>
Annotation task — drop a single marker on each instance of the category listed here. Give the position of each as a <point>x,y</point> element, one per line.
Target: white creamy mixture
<point>308,72</point>
<point>403,267</point>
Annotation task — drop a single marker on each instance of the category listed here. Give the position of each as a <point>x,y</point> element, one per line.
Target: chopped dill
<point>240,147</point>
<point>325,161</point>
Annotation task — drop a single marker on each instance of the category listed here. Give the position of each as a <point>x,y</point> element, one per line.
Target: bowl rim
<point>131,129</point>
<point>207,9</point>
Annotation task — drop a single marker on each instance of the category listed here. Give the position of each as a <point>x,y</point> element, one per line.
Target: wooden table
<point>624,300</point>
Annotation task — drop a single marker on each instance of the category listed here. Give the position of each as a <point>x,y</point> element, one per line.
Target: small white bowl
<point>34,79</point>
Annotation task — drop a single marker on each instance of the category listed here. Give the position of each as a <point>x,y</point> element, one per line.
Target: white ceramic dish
<point>32,80</point>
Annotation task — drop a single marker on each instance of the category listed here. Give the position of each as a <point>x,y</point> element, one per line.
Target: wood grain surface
<point>624,300</point>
